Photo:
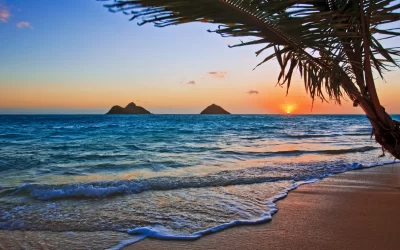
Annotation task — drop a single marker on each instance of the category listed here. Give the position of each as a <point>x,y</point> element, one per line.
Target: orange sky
<point>177,97</point>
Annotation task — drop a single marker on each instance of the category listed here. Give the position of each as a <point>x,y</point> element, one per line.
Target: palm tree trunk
<point>387,135</point>
<point>386,131</point>
<point>384,128</point>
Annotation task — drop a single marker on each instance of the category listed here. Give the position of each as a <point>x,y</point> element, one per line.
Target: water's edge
<point>142,233</point>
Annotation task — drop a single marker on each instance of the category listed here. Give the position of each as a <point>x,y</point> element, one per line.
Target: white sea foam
<point>162,233</point>
<point>88,190</point>
<point>112,188</point>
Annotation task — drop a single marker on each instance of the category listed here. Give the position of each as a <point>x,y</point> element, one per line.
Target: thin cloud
<point>191,82</point>
<point>218,74</point>
<point>253,92</point>
<point>22,25</point>
<point>4,13</point>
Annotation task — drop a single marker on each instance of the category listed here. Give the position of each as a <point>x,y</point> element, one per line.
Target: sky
<point>76,57</point>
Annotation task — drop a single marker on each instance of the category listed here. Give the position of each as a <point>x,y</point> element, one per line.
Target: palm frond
<point>321,38</point>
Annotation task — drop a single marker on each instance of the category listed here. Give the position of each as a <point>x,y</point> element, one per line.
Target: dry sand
<point>354,210</point>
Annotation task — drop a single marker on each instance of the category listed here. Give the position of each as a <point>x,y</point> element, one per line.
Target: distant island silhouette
<point>214,110</point>
<point>130,109</point>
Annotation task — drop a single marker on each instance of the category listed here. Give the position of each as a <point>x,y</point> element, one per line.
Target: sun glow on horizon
<point>289,108</point>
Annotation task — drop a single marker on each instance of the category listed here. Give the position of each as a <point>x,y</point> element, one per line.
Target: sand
<point>354,210</point>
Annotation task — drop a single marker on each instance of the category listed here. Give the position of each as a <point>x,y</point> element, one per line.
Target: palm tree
<point>334,44</point>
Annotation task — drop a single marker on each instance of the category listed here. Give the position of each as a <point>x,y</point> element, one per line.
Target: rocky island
<point>130,109</point>
<point>214,110</point>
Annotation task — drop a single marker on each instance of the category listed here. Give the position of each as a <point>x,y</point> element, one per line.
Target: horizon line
<point>285,114</point>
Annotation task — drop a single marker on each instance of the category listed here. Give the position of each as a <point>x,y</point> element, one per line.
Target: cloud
<point>4,13</point>
<point>22,25</point>
<point>218,74</point>
<point>252,92</point>
<point>191,82</point>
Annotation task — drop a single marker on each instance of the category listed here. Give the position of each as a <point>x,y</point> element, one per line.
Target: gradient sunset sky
<point>73,56</point>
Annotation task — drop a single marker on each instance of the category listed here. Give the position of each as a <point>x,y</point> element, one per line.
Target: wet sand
<point>354,210</point>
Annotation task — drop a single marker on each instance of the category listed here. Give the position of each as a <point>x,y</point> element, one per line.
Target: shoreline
<point>357,209</point>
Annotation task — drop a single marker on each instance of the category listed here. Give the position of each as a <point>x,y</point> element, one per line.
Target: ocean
<point>106,181</point>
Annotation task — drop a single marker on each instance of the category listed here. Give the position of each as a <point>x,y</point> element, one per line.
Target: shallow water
<point>165,175</point>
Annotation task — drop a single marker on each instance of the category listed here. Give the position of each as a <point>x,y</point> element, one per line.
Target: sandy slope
<point>353,210</point>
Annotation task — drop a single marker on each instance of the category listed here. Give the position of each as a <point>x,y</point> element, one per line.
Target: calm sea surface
<point>165,176</point>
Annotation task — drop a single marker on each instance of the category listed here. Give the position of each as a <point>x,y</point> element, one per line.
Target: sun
<point>288,108</point>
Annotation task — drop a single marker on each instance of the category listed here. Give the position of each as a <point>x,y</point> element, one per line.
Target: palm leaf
<point>323,36</point>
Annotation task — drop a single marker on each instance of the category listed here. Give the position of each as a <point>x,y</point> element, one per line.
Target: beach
<point>353,210</point>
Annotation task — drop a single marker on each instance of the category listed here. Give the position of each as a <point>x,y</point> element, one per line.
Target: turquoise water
<point>166,176</point>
